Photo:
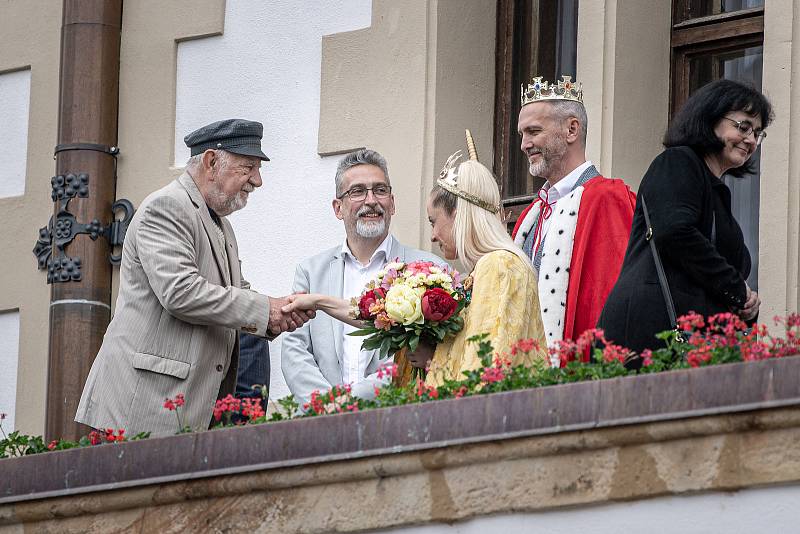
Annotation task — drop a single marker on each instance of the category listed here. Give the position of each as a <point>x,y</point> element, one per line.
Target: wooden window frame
<point>714,33</point>
<point>702,36</point>
<point>513,56</point>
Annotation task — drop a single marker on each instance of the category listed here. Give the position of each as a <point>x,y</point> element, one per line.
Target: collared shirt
<point>562,188</point>
<point>218,227</point>
<point>356,275</point>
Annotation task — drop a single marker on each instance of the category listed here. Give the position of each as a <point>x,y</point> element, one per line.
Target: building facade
<point>402,77</point>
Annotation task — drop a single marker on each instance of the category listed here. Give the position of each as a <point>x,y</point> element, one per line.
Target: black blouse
<point>700,243</point>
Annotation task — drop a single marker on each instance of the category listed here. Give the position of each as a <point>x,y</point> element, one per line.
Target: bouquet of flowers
<point>408,302</point>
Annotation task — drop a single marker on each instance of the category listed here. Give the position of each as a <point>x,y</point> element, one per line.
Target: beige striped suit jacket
<point>175,324</point>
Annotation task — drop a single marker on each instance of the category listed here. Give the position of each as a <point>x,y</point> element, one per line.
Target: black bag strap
<point>713,228</point>
<point>662,277</point>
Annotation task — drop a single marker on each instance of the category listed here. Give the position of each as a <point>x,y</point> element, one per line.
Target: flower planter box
<point>678,395</point>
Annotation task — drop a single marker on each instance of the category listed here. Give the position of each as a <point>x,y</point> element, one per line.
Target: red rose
<point>438,305</point>
<point>368,299</point>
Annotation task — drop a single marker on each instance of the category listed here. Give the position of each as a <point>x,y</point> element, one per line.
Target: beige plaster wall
<point>146,119</point>
<point>407,87</point>
<point>779,223</point>
<point>374,94</point>
<point>464,88</point>
<point>623,63</point>
<point>33,44</point>
<point>151,31</point>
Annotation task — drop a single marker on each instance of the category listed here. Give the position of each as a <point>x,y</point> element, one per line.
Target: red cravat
<point>545,210</point>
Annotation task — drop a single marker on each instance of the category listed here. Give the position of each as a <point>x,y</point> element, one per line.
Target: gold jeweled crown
<point>448,178</point>
<point>540,89</point>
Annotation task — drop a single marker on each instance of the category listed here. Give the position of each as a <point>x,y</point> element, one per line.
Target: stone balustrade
<point>721,428</point>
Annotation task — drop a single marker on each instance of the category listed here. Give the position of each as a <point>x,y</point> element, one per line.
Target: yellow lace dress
<point>505,305</point>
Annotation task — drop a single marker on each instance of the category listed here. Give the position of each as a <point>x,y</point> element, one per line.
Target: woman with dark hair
<point>686,251</point>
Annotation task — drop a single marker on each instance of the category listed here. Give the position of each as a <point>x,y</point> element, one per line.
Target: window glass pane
<point>745,193</point>
<point>703,8</point>
<point>743,65</point>
<point>567,38</point>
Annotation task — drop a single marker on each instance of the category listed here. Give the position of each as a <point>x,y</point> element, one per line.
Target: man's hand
<point>751,305</point>
<point>279,321</point>
<point>422,356</point>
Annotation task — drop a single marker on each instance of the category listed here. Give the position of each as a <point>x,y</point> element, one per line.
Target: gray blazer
<point>310,356</point>
<point>175,325</point>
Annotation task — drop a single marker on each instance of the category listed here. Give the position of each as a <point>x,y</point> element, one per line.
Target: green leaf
<point>413,343</point>
<point>385,345</point>
<point>366,331</point>
<point>371,343</point>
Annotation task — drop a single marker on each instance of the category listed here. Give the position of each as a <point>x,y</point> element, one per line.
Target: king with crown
<point>576,231</point>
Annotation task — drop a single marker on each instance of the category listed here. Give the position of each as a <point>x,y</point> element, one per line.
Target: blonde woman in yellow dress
<point>464,211</point>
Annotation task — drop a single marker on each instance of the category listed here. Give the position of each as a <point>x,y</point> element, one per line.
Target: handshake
<point>282,319</point>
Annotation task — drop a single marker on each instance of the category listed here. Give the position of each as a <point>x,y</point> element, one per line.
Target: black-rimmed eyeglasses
<point>359,193</point>
<point>746,128</point>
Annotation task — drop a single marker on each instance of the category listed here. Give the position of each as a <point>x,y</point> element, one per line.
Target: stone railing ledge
<point>723,389</point>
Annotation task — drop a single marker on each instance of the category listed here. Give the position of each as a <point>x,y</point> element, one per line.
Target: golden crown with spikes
<point>540,89</point>
<point>448,178</point>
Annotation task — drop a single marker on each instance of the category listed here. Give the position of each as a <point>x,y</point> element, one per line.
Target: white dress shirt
<point>356,275</point>
<point>562,188</point>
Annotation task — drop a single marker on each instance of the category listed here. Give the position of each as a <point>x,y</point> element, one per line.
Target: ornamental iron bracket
<point>63,227</point>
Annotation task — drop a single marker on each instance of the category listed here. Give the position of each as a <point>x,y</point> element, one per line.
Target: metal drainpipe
<point>83,190</point>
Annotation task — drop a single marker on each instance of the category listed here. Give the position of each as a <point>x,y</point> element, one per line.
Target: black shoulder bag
<point>662,277</point>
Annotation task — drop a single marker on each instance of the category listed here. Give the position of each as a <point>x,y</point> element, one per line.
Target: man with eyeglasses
<point>321,354</point>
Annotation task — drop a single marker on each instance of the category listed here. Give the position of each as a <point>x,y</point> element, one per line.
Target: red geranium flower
<point>94,437</point>
<point>438,304</point>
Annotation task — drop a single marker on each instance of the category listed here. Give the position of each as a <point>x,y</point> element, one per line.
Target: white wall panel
<point>15,97</point>
<point>9,360</point>
<point>743,512</point>
<point>266,67</point>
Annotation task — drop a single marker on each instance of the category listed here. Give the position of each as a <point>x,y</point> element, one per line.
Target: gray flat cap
<point>239,136</point>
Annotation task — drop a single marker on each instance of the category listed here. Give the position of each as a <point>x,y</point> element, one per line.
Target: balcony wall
<point>516,454</point>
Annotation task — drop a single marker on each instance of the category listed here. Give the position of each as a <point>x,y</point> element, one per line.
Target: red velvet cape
<point>601,237</point>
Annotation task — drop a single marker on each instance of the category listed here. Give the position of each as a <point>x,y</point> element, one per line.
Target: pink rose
<point>417,267</point>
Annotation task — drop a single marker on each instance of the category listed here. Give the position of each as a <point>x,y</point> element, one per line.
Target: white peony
<point>404,304</point>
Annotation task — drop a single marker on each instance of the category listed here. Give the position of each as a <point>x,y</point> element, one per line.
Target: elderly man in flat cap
<point>181,297</point>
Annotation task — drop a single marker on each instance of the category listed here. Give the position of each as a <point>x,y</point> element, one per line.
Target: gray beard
<point>552,162</point>
<point>223,205</point>
<point>368,229</point>
<point>545,168</point>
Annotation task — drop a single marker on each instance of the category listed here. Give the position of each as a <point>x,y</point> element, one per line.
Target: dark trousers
<point>253,366</point>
